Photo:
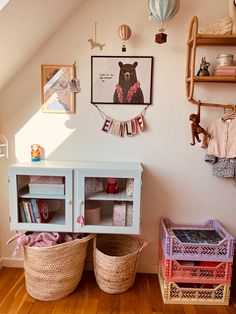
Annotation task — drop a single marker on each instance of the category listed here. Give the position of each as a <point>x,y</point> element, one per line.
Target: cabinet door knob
<point>80,220</point>
<point>70,202</point>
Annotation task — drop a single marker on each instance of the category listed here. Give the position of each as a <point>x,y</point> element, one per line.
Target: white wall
<point>177,183</point>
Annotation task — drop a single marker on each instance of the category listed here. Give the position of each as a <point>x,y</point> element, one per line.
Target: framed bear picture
<point>121,80</point>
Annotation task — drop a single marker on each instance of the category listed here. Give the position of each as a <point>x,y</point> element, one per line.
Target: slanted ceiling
<point>25,25</point>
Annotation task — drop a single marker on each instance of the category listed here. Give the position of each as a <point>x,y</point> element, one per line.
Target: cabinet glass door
<point>43,199</point>
<point>107,204</point>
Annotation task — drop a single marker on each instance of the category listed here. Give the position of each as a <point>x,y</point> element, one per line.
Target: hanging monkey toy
<point>195,126</point>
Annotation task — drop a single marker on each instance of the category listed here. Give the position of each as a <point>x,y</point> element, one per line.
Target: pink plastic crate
<point>206,272</point>
<point>174,249</point>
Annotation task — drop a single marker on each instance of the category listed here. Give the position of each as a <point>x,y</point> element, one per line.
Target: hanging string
<point>103,115</point>
<point>95,32</point>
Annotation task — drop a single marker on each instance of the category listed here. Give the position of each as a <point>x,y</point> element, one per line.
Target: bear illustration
<point>128,91</point>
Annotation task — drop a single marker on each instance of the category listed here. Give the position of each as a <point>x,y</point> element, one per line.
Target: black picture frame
<point>121,80</point>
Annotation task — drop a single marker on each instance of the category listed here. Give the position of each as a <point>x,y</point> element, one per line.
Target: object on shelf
<point>46,179</point>
<point>3,146</point>
<point>225,71</point>
<point>224,60</point>
<point>203,71</point>
<point>112,186</point>
<point>92,213</point>
<point>93,185</point>
<point>129,214</point>
<point>129,186</point>
<point>162,11</point>
<point>119,214</point>
<point>43,188</point>
<point>221,26</point>
<point>35,152</point>
<point>124,32</point>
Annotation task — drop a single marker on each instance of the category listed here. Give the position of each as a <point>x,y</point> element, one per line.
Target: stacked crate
<point>195,273</point>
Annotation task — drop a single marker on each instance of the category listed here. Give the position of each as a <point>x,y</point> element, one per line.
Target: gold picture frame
<point>56,95</point>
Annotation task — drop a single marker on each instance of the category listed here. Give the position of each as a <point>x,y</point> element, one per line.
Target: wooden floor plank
<point>143,298</point>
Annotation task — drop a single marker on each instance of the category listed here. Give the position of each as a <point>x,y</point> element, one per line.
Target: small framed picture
<point>121,80</point>
<point>56,93</point>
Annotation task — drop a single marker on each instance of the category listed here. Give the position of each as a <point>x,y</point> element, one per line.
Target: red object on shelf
<point>112,186</point>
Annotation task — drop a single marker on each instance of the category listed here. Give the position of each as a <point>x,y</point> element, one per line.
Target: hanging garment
<point>222,138</point>
<point>222,167</point>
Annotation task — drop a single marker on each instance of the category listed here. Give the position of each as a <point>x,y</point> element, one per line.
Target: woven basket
<point>115,261</point>
<point>52,273</point>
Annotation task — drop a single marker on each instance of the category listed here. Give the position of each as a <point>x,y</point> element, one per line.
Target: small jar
<point>224,60</point>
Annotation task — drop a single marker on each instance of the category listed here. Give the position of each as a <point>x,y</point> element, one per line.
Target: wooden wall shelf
<point>195,39</point>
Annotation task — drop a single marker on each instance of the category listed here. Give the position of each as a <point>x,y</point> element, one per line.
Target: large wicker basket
<point>52,273</point>
<point>115,261</point>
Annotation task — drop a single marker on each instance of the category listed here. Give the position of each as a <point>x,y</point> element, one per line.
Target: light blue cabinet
<point>89,197</point>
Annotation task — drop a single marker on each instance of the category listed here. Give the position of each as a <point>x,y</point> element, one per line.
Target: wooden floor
<point>143,298</point>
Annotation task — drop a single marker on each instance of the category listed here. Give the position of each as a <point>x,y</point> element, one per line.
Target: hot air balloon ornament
<point>162,11</point>
<point>124,32</point>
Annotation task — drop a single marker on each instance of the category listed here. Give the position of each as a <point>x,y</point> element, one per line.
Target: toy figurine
<point>35,152</point>
<point>203,71</point>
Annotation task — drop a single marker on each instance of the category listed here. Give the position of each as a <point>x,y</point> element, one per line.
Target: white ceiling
<point>25,25</point>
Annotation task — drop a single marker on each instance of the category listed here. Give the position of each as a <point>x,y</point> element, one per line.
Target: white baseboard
<point>19,263</point>
<point>12,262</point>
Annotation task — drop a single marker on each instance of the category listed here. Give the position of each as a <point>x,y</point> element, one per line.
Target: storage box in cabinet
<point>174,249</point>
<point>201,294</point>
<point>41,188</point>
<point>195,271</point>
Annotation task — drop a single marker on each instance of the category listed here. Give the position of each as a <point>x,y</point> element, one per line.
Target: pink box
<point>195,271</point>
<point>46,179</point>
<point>119,214</point>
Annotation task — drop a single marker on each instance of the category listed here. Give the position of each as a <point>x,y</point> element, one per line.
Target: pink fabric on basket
<point>41,239</point>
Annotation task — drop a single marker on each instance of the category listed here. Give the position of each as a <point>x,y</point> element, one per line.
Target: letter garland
<point>122,128</point>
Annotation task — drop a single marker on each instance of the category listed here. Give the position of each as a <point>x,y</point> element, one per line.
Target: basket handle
<point>145,243</point>
<point>87,238</point>
<point>94,241</point>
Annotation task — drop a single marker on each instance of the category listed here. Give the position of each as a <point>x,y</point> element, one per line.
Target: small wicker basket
<point>52,273</point>
<point>115,261</point>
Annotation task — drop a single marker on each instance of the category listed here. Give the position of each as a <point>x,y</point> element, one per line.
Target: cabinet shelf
<point>24,193</point>
<point>103,196</point>
<point>213,40</point>
<point>213,79</point>
<point>195,39</point>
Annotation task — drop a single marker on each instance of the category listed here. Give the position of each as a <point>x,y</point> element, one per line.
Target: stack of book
<point>34,211</point>
<point>225,71</point>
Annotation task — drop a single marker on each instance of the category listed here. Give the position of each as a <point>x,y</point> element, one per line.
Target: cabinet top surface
<point>79,165</point>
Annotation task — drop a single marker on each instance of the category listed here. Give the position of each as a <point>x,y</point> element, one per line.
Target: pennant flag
<point>140,122</point>
<point>107,124</point>
<point>128,128</point>
<point>115,128</point>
